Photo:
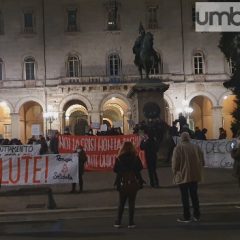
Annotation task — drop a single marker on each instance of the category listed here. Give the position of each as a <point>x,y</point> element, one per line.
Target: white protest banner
<point>18,150</point>
<point>95,125</point>
<point>103,128</point>
<point>217,153</point>
<point>34,170</point>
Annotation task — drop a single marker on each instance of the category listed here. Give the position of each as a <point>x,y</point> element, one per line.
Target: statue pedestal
<point>144,92</point>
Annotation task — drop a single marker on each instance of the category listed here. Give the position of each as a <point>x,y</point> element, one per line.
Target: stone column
<point>217,120</point>
<point>61,117</point>
<point>15,124</point>
<point>127,122</point>
<point>94,116</point>
<point>56,124</point>
<point>173,115</point>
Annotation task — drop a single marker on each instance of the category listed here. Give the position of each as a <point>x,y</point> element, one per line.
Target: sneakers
<point>131,226</point>
<point>117,224</point>
<point>183,220</point>
<point>196,219</point>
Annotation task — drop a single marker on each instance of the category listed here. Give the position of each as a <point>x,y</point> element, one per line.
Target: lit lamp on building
<point>112,21</point>
<point>50,116</point>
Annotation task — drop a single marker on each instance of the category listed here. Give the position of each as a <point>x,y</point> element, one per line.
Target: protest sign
<point>17,150</point>
<point>35,170</point>
<point>101,150</point>
<point>217,153</point>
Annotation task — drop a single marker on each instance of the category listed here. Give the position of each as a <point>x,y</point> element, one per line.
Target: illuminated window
<point>114,65</point>
<point>29,63</point>
<point>198,63</point>
<point>73,66</point>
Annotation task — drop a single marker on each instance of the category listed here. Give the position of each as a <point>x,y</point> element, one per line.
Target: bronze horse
<point>146,57</point>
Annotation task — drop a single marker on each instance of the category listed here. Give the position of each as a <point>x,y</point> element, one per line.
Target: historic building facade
<point>70,63</point>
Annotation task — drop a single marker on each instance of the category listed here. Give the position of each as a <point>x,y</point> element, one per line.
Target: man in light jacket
<point>187,163</point>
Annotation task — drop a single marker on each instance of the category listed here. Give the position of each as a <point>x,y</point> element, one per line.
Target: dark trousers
<point>191,189</point>
<point>153,176</point>
<point>80,184</point>
<point>131,205</point>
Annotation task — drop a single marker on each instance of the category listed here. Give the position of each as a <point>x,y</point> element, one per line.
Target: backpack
<point>129,182</point>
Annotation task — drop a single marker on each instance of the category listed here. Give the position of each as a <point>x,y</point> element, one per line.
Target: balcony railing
<point>112,80</point>
<point>93,80</point>
<point>21,83</point>
<point>129,79</point>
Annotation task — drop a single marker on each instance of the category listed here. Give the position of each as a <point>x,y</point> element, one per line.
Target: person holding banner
<point>128,168</point>
<point>54,143</point>
<point>82,159</point>
<point>187,163</point>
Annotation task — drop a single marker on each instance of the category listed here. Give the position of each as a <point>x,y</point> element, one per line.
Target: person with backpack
<point>128,181</point>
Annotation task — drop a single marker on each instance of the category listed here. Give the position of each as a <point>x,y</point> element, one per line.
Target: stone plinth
<point>146,91</point>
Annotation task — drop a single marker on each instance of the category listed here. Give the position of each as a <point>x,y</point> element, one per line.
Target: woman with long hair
<point>128,181</point>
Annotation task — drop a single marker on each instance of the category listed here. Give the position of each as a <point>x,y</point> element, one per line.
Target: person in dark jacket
<point>150,147</point>
<point>44,146</point>
<point>82,159</point>
<point>222,133</point>
<point>127,164</point>
<point>54,143</point>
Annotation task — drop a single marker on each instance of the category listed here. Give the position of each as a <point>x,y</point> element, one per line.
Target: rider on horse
<point>145,56</point>
<point>138,44</point>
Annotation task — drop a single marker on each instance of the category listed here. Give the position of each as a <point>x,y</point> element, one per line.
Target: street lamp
<point>50,116</point>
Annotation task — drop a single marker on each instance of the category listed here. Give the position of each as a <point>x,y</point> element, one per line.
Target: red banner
<point>101,150</point>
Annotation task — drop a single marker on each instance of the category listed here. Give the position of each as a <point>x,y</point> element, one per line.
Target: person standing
<point>235,154</point>
<point>128,181</point>
<point>173,130</point>
<point>44,146</point>
<point>204,132</point>
<point>222,133</point>
<point>150,147</point>
<point>82,159</point>
<point>187,163</point>
<point>54,143</point>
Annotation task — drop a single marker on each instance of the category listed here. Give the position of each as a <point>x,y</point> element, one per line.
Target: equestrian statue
<point>146,57</point>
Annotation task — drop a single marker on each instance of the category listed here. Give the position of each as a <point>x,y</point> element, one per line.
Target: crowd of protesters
<point>199,134</point>
<point>44,142</point>
<point>128,165</point>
